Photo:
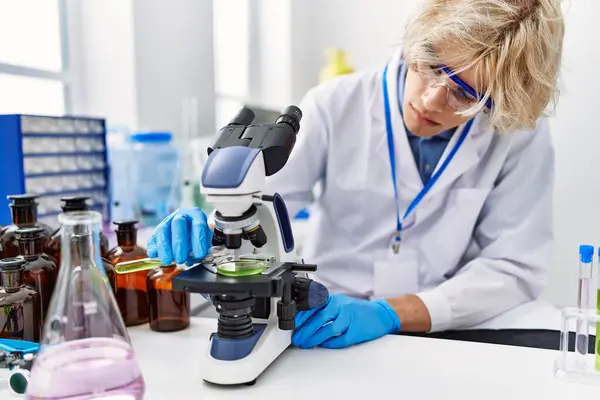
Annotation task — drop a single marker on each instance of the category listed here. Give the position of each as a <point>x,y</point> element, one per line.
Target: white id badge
<point>397,275</point>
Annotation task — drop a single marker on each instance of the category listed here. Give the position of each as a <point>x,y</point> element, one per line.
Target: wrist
<point>413,313</point>
<point>391,315</point>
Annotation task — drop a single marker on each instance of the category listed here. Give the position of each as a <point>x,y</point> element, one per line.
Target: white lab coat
<point>483,234</point>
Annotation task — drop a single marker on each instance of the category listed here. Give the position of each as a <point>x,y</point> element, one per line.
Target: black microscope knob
<point>286,313</point>
<point>309,294</point>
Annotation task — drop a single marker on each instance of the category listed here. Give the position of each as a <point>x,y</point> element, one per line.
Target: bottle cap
<point>22,200</point>
<point>29,233</point>
<point>126,226</point>
<point>12,264</point>
<point>152,137</point>
<point>75,203</point>
<point>586,253</point>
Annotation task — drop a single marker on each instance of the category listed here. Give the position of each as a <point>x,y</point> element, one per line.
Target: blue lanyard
<point>391,149</point>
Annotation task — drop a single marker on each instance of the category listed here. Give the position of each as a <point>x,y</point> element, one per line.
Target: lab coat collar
<point>470,153</point>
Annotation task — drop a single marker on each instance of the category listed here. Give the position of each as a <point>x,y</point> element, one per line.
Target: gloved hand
<point>344,321</point>
<point>183,236</point>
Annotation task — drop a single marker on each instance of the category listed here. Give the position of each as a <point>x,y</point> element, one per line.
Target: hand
<point>183,236</point>
<point>344,321</point>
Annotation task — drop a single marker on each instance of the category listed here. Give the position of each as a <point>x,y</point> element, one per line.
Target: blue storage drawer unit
<point>53,157</point>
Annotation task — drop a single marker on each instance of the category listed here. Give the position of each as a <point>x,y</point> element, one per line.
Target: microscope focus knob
<point>309,294</point>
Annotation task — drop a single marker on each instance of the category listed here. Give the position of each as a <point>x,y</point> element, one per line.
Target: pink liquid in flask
<point>95,368</point>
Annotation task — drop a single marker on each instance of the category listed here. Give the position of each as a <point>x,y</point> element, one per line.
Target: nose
<point>434,98</point>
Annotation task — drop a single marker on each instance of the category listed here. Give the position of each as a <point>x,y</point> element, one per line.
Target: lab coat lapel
<point>407,174</point>
<point>469,154</point>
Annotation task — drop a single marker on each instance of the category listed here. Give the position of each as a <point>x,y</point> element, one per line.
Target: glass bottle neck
<point>127,238</point>
<point>11,280</point>
<point>23,215</point>
<point>83,240</point>
<point>31,247</point>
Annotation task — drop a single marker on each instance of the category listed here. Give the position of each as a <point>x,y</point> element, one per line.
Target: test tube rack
<point>53,157</point>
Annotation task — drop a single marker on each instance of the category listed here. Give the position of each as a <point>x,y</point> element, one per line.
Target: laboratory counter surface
<point>391,367</point>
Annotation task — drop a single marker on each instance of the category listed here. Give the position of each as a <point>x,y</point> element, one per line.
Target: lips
<point>422,118</point>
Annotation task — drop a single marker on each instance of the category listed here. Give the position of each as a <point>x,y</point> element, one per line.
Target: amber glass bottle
<point>75,203</point>
<point>21,311</point>
<point>131,288</point>
<point>24,215</point>
<point>169,309</point>
<point>40,270</point>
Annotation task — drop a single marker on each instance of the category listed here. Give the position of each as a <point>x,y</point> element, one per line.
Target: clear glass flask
<point>86,352</point>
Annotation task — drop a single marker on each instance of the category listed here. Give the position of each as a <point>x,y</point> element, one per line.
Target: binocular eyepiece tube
<point>291,116</point>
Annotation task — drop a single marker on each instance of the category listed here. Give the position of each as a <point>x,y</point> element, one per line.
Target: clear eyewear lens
<point>453,98</point>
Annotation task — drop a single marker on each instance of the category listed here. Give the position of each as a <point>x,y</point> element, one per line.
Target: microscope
<point>252,275</point>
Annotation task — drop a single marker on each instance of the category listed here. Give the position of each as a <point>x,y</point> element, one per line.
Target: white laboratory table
<point>397,367</point>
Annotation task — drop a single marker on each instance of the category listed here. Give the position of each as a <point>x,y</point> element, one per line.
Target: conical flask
<point>86,352</point>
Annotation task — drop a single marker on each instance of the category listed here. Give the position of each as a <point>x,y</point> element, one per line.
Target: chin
<point>420,130</point>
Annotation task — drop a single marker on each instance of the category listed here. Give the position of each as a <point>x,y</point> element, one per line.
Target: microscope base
<point>222,366</point>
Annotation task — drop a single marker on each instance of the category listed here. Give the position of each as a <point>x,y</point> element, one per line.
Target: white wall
<point>174,61</point>
<point>105,57</point>
<point>139,60</point>
<point>369,30</point>
<point>575,133</point>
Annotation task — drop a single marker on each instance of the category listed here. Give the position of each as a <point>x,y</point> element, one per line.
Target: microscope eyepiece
<point>291,116</point>
<point>244,117</point>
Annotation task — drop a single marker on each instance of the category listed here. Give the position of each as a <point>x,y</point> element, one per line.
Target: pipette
<point>127,267</point>
<point>586,255</point>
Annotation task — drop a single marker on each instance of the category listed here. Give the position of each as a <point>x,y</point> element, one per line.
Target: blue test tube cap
<point>586,253</point>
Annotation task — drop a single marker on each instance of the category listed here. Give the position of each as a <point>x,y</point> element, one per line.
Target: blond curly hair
<point>513,46</point>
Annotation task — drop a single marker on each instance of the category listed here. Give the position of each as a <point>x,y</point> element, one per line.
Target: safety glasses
<point>460,97</point>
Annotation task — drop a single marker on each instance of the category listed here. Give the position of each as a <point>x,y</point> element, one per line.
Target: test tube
<point>586,255</point>
<point>597,347</point>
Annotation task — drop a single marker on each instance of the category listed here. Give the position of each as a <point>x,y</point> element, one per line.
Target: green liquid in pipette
<point>144,264</point>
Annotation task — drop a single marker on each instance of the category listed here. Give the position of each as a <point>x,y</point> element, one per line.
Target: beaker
<point>85,350</point>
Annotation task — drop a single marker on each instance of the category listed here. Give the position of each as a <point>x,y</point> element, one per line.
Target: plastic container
<point>573,364</point>
<point>337,64</point>
<point>120,159</point>
<point>169,309</point>
<point>155,176</point>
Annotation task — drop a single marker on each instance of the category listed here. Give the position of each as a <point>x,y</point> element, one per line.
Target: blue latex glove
<point>183,237</point>
<point>352,321</point>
